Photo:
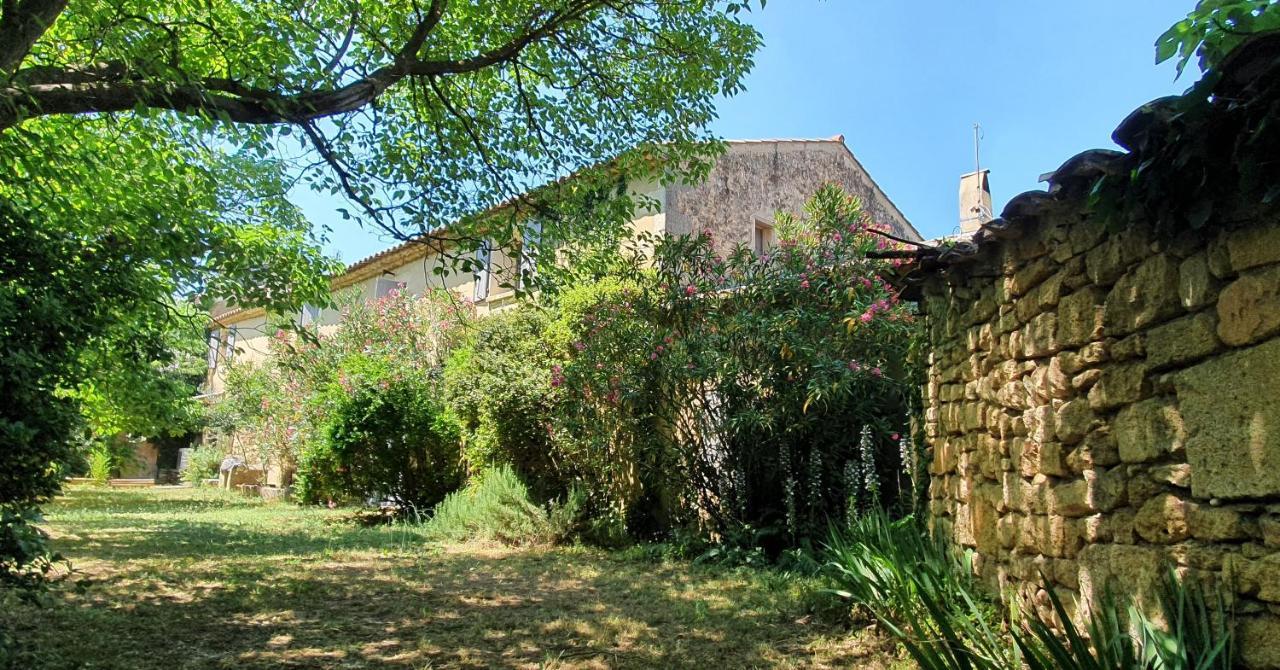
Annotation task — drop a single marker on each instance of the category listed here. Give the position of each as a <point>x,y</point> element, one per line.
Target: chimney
<point>975,200</point>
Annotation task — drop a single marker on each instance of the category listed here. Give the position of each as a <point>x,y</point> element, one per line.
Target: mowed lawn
<point>195,578</point>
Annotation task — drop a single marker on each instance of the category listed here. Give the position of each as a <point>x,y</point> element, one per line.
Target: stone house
<point>751,181</point>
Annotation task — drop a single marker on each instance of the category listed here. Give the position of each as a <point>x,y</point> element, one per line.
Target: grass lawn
<point>193,578</point>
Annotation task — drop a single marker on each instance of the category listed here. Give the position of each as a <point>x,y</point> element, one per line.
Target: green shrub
<point>202,463</point>
<point>497,507</point>
<point>101,464</point>
<point>499,386</point>
<point>396,440</point>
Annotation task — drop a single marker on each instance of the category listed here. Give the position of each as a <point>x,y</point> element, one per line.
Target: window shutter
<point>231,344</point>
<point>484,256</point>
<point>385,286</point>
<point>532,237</point>
<point>215,342</point>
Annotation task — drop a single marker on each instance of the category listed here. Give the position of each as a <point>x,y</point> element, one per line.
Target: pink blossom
<point>804,284</point>
<point>875,372</point>
<point>690,289</point>
<point>895,437</point>
<point>855,366</point>
<point>579,346</point>
<point>653,356</point>
<point>865,318</point>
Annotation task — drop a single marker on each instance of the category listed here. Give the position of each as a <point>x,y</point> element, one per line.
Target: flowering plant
<point>762,377</point>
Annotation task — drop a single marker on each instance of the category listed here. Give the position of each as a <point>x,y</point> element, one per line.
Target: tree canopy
<point>419,112</point>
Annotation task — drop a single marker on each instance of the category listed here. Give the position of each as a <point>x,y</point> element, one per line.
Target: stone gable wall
<point>1101,404</point>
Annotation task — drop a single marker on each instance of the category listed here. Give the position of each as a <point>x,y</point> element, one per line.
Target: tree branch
<point>21,25</point>
<point>48,91</point>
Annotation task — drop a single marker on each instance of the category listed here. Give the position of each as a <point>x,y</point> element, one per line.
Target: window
<point>310,316</point>
<point>484,256</point>
<point>231,344</point>
<point>385,286</point>
<point>763,239</point>
<point>530,239</point>
<point>215,342</point>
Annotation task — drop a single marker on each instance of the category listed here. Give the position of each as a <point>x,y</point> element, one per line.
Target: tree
<point>146,150</point>
<point>420,112</point>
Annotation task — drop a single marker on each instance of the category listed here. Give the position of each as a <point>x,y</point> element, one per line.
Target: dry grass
<point>181,578</point>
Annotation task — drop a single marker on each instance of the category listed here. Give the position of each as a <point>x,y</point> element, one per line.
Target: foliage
<point>104,236</point>
<point>764,391</point>
<point>475,102</point>
<point>498,384</point>
<point>924,595</point>
<point>101,465</point>
<point>25,557</point>
<point>396,440</point>
<point>1194,636</point>
<point>286,409</point>
<point>919,591</point>
<point>202,463</point>
<point>1213,29</point>
<point>496,507</point>
<point>1198,159</point>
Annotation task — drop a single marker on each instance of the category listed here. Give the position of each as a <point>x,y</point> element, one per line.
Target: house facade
<point>752,181</point>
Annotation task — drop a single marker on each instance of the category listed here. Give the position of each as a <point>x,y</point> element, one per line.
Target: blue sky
<point>905,82</point>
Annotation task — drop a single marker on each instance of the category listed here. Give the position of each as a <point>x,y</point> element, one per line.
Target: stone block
<point>1232,418</point>
<point>1106,262</point>
<point>1040,336</point>
<point>1080,317</point>
<point>1120,384</point>
<point>1147,430</point>
<point>1145,295</point>
<point>1073,421</point>
<point>1258,639</point>
<point>1253,246</point>
<point>1197,286</point>
<point>1249,307</point>
<point>1173,474</point>
<point>1163,520</point>
<point>1121,569</point>
<point>1269,528</point>
<point>1182,340</point>
<point>1217,524</point>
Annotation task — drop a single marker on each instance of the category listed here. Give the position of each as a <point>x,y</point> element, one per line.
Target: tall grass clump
<point>919,591</point>
<point>923,594</point>
<point>497,507</point>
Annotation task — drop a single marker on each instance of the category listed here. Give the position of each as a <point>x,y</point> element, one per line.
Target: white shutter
<point>215,342</point>
<point>310,315</point>
<point>231,344</point>
<point>531,238</point>
<point>484,257</point>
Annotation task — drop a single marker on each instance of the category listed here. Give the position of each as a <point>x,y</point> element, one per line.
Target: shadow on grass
<point>277,586</point>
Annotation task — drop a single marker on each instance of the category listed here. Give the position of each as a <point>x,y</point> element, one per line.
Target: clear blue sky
<point>906,81</point>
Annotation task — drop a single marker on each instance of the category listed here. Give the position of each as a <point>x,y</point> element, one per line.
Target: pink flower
<point>875,372</point>
<point>653,356</point>
<point>579,346</point>
<point>690,289</point>
<point>865,318</point>
<point>895,437</point>
<point>855,366</point>
<point>804,284</point>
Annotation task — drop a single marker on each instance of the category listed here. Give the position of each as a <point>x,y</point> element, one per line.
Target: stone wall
<point>1101,404</point>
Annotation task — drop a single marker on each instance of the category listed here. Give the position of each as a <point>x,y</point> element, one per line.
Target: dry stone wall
<point>1100,405</point>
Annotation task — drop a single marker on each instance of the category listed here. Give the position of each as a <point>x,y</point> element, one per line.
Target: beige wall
<point>755,179</point>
